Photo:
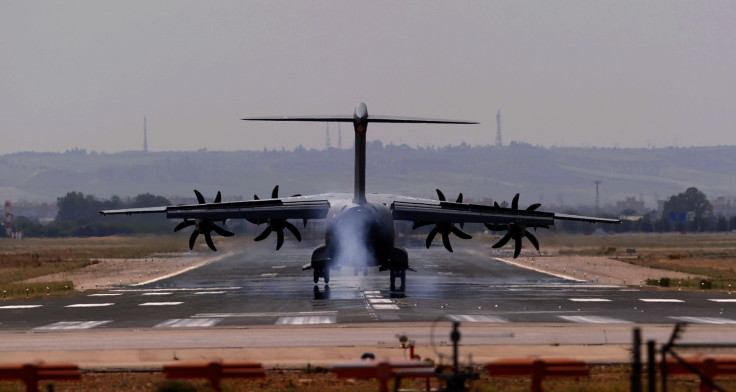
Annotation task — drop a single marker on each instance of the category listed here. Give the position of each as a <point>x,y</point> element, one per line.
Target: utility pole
<point>145,135</point>
<point>328,143</point>
<point>499,143</point>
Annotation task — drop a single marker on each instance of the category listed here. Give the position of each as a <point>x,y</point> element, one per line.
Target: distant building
<point>631,204</point>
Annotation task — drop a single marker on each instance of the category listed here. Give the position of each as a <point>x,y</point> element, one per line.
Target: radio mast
<point>499,143</point>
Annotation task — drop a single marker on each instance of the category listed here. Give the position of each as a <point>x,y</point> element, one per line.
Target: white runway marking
<point>100,305</point>
<point>105,295</point>
<point>158,293</point>
<point>160,303</point>
<point>593,320</point>
<point>385,306</point>
<point>590,300</point>
<point>20,306</point>
<point>267,314</point>
<point>270,275</point>
<point>189,323</point>
<point>380,301</point>
<point>306,320</point>
<point>723,299</point>
<point>73,325</point>
<point>704,320</point>
<point>208,292</point>
<point>661,300</point>
<point>477,318</point>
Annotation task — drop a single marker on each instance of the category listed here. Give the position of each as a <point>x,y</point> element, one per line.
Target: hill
<point>560,176</point>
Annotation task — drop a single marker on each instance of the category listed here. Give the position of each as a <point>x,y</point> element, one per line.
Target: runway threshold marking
<point>476,318</point>
<point>189,323</point>
<point>73,325</point>
<point>303,320</point>
<point>593,320</point>
<point>704,320</point>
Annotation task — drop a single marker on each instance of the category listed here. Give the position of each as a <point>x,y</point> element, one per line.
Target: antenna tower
<point>499,143</point>
<point>145,135</point>
<point>339,137</point>
<point>328,143</point>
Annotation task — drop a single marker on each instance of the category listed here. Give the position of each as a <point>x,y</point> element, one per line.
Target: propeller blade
<point>279,239</point>
<point>532,239</point>
<point>264,234</point>
<point>208,240</point>
<point>305,222</point>
<point>517,247</point>
<point>293,230</point>
<point>420,224</point>
<point>275,192</point>
<point>430,237</point>
<point>515,202</point>
<point>183,224</point>
<point>533,206</point>
<point>219,230</point>
<point>200,198</point>
<point>218,198</point>
<point>193,238</point>
<point>440,195</point>
<point>446,241</point>
<point>502,241</point>
<point>461,233</point>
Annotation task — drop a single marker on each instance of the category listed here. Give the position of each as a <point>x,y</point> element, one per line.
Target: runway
<point>262,287</point>
<point>263,290</point>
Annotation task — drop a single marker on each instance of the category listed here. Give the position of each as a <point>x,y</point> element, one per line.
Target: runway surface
<point>260,287</point>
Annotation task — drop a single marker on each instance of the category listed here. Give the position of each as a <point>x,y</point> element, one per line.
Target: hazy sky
<point>594,73</point>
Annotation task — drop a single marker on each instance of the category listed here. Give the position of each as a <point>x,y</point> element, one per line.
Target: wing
<point>205,216</point>
<point>444,215</point>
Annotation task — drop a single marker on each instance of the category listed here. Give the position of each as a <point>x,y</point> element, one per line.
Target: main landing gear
<point>321,273</point>
<point>401,274</point>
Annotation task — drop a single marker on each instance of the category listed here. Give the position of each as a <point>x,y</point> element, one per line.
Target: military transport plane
<point>360,228</point>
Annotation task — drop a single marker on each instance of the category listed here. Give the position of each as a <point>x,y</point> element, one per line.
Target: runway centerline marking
<point>159,293</point>
<point>160,303</point>
<point>266,314</point>
<point>722,299</point>
<point>208,292</point>
<point>105,295</point>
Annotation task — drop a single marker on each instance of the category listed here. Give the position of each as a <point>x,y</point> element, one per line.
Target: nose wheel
<point>400,274</point>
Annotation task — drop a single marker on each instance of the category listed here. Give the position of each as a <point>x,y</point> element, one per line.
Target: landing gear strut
<point>401,274</point>
<point>321,273</point>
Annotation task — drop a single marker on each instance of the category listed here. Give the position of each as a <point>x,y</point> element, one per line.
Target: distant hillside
<point>551,175</point>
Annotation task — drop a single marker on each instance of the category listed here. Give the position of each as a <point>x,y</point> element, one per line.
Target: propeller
<point>276,225</point>
<point>204,226</point>
<point>444,228</point>
<point>515,231</point>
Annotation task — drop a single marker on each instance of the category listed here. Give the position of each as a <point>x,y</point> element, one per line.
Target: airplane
<point>360,227</point>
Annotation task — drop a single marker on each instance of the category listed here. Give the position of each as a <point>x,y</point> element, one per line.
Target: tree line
<point>78,216</point>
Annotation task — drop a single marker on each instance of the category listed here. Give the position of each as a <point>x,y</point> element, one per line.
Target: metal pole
<point>636,368</point>
<point>651,366</point>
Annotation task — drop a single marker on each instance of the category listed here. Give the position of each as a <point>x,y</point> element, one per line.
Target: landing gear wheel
<point>402,275</point>
<point>393,279</point>
<point>326,275</point>
<point>317,273</point>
